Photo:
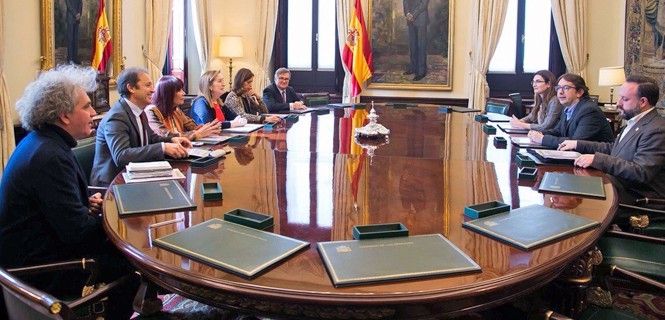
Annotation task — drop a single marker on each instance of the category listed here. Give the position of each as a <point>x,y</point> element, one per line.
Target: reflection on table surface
<point>317,183</point>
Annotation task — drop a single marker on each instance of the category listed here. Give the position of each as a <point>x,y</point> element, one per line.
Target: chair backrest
<point>85,155</point>
<point>316,99</point>
<point>496,107</point>
<point>25,302</point>
<point>517,107</point>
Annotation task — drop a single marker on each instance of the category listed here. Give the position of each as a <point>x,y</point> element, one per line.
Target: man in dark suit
<point>417,19</point>
<point>46,215</point>
<point>279,96</point>
<point>124,135</point>
<point>637,158</point>
<point>581,118</point>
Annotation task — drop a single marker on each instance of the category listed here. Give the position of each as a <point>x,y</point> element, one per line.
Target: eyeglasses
<point>565,88</point>
<point>537,82</point>
<point>284,78</point>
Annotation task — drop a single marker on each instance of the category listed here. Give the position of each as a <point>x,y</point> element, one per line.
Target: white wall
<point>22,41</point>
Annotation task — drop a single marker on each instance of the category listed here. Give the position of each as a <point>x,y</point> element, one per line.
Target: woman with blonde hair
<point>245,102</point>
<point>546,106</point>
<point>209,105</point>
<point>165,117</point>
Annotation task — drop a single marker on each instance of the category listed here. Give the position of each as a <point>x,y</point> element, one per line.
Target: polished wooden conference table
<point>318,183</point>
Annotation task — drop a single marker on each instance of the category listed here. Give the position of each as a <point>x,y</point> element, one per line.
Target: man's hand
<point>567,145</point>
<point>584,160</point>
<point>298,105</point>
<point>95,203</point>
<point>535,136</point>
<point>175,150</point>
<point>184,142</point>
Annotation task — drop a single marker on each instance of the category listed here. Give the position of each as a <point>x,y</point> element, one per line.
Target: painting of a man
<point>411,46</point>
<point>74,8</point>
<point>417,19</point>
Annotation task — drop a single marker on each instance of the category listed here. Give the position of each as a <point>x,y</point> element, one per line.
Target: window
<point>306,43</point>
<point>528,43</point>
<point>174,63</point>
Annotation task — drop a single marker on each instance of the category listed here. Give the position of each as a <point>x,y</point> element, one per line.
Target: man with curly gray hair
<point>46,215</point>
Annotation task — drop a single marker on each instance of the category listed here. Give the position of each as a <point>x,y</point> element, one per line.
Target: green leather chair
<point>634,257</point>
<point>23,301</point>
<point>85,155</point>
<point>641,219</point>
<point>494,107</point>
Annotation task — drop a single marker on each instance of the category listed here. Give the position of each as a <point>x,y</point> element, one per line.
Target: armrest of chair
<point>621,272</point>
<point>646,201</point>
<point>634,236</point>
<point>551,315</point>
<point>93,189</point>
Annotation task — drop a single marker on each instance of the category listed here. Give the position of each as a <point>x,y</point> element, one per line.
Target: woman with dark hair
<point>166,118</point>
<point>209,106</point>
<point>245,102</point>
<point>546,107</point>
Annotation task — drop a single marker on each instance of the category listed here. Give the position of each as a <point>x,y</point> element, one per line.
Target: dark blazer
<point>202,113</point>
<point>586,123</point>
<point>119,142</point>
<point>418,8</point>
<point>637,160</point>
<point>44,203</point>
<point>274,101</point>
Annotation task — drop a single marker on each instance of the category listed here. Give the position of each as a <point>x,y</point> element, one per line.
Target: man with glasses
<point>279,96</point>
<point>581,118</point>
<point>637,158</point>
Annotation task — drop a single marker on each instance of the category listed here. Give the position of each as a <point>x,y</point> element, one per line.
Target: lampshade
<point>230,47</point>
<point>611,76</point>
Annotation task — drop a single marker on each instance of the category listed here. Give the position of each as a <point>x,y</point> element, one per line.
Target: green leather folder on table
<point>531,226</point>
<point>572,184</point>
<point>151,197</point>
<point>232,247</point>
<point>356,262</point>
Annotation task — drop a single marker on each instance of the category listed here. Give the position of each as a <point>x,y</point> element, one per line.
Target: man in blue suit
<point>417,19</point>
<point>581,117</point>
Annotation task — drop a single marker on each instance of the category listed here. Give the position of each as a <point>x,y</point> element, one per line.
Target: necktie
<point>144,124</point>
<point>284,96</point>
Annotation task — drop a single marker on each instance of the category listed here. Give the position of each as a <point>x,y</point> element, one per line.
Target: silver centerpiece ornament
<point>372,129</point>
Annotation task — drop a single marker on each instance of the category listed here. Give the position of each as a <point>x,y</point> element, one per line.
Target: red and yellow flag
<point>357,53</point>
<point>101,41</point>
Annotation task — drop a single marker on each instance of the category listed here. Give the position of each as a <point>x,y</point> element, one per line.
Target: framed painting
<point>411,44</point>
<point>645,41</point>
<point>68,27</point>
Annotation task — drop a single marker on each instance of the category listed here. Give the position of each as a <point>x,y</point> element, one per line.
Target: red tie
<point>144,123</point>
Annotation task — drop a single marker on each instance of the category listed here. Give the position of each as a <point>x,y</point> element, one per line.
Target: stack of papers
<point>153,169</point>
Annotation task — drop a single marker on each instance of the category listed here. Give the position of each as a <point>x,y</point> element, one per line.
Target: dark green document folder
<point>232,247</point>
<point>151,197</point>
<point>364,261</point>
<point>572,184</point>
<point>531,226</point>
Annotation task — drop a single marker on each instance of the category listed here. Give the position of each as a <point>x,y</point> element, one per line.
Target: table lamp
<point>611,76</point>
<point>230,47</point>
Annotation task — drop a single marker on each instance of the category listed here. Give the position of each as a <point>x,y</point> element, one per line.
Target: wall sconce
<point>230,47</point>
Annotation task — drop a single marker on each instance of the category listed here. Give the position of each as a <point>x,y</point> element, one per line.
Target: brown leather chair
<point>23,301</point>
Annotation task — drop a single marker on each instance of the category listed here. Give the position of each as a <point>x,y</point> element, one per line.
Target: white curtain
<point>344,9</point>
<point>486,23</point>
<point>570,20</point>
<point>203,35</point>
<point>6,121</point>
<point>267,13</point>
<point>157,25</point>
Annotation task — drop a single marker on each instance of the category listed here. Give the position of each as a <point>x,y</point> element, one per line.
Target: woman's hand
<point>239,121</point>
<point>517,123</point>
<point>210,128</point>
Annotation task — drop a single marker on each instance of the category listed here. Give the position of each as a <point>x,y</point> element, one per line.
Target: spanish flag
<point>357,54</point>
<point>101,41</point>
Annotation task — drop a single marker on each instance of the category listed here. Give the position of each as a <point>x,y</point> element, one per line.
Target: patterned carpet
<point>643,305</point>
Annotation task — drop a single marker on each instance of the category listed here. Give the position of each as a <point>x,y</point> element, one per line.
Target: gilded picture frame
<point>52,50</point>
<point>390,36</point>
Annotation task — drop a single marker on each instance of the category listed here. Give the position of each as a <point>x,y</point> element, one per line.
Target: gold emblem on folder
<point>343,249</point>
